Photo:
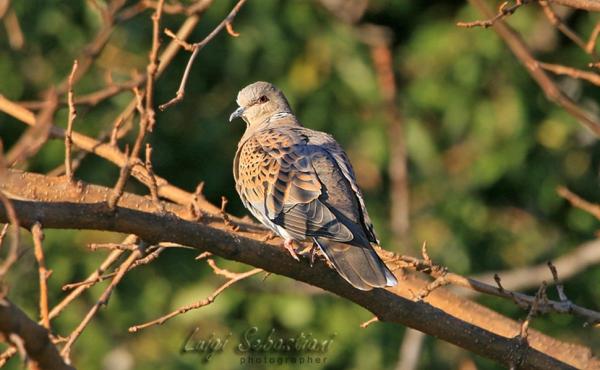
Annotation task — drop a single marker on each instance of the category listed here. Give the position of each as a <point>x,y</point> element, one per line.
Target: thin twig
<point>572,72</point>
<point>110,259</point>
<point>121,181</point>
<point>112,154</point>
<point>3,233</point>
<point>551,90</point>
<point>69,132</point>
<point>114,134</point>
<point>102,301</point>
<point>557,22</point>
<point>578,202</point>
<point>210,299</point>
<point>196,48</point>
<point>522,300</point>
<point>38,237</point>
<point>94,47</point>
<point>195,206</point>
<point>153,185</point>
<point>100,278</point>
<point>225,216</point>
<point>365,324</point>
<point>184,44</point>
<point>152,67</point>
<point>11,256</point>
<point>219,271</point>
<point>113,246</point>
<point>560,289</point>
<point>504,10</point>
<point>524,328</point>
<point>590,46</point>
<point>56,310</point>
<point>36,136</point>
<point>202,256</point>
<point>380,41</point>
<point>146,113</point>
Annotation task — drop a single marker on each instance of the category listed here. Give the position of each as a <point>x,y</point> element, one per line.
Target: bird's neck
<point>281,116</point>
<point>277,119</point>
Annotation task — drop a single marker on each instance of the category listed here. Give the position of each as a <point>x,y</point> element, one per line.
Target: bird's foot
<point>270,235</point>
<point>289,245</point>
<point>313,253</point>
<point>309,250</point>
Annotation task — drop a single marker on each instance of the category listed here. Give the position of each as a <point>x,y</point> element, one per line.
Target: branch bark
<point>40,350</point>
<point>58,204</point>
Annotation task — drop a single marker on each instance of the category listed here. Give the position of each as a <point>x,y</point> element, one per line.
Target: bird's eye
<point>263,99</point>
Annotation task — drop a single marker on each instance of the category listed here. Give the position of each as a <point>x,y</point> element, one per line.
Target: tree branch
<point>591,5</point>
<point>522,52</point>
<point>37,343</point>
<point>58,204</point>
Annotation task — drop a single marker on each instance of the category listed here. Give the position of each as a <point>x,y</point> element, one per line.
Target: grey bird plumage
<point>300,184</point>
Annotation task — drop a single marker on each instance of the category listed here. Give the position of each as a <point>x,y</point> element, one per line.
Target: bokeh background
<point>486,151</point>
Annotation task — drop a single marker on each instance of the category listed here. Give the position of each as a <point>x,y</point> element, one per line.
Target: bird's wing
<point>276,180</point>
<point>328,143</point>
<point>296,179</point>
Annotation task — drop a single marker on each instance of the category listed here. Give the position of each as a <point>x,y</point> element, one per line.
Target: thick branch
<point>58,204</point>
<point>37,343</point>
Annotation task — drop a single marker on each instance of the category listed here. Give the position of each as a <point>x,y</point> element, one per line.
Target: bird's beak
<point>236,114</point>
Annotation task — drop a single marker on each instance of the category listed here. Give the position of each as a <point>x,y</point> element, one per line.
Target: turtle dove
<point>300,184</point>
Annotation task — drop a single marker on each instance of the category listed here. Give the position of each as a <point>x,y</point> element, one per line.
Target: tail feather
<point>360,266</point>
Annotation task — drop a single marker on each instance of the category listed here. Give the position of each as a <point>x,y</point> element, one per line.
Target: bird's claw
<point>313,253</point>
<point>289,245</point>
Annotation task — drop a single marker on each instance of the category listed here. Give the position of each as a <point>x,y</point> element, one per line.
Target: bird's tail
<point>360,266</point>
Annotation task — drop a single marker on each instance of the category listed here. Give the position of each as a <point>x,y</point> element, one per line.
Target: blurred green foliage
<point>486,152</point>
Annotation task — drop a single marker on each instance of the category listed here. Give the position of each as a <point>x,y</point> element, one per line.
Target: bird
<point>300,184</point>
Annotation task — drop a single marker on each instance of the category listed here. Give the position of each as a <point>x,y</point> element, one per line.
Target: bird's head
<point>258,102</point>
